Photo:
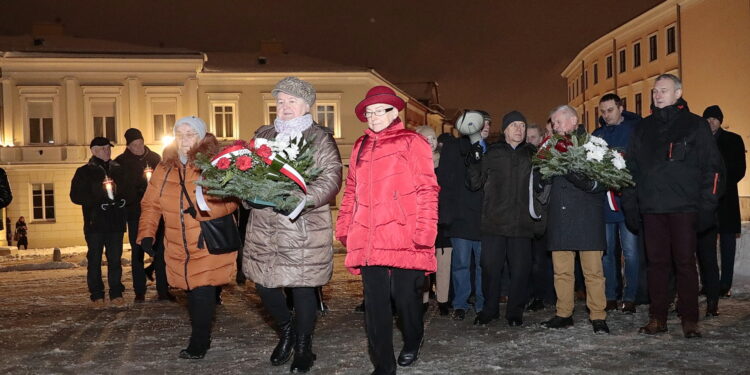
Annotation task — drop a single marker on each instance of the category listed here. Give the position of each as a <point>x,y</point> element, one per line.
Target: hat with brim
<point>100,141</point>
<point>376,95</point>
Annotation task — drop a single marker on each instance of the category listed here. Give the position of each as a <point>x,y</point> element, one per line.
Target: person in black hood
<point>138,162</point>
<point>677,171</point>
<point>98,187</point>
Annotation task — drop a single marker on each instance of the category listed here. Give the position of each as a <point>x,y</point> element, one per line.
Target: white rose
<point>596,154</point>
<point>618,161</point>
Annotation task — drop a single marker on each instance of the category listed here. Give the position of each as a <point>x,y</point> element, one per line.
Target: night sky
<point>492,55</point>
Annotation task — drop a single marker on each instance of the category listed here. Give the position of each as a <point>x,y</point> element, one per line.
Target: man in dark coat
<point>507,228</point>
<point>732,150</point>
<point>461,222</point>
<point>6,196</point>
<point>95,188</point>
<point>137,163</point>
<point>616,127</point>
<point>677,171</point>
<point>575,225</point>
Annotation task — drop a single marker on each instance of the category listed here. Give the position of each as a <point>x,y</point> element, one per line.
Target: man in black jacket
<point>95,188</point>
<point>677,169</point>
<point>137,162</point>
<point>732,150</point>
<point>507,229</point>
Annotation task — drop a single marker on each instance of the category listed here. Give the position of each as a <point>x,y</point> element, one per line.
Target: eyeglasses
<point>378,112</point>
<point>185,135</point>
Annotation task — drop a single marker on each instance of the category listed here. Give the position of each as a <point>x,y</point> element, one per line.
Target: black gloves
<point>706,220</point>
<point>632,221</point>
<point>580,181</point>
<point>475,154</point>
<point>147,244</point>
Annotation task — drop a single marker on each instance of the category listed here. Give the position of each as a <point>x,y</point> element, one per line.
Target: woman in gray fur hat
<point>295,255</point>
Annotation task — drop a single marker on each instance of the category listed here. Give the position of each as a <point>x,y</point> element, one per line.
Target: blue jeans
<point>461,274</point>
<point>631,255</point>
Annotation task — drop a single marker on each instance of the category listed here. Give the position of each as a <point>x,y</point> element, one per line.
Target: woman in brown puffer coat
<point>188,267</point>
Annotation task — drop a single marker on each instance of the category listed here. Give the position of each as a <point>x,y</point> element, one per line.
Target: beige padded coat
<point>279,252</point>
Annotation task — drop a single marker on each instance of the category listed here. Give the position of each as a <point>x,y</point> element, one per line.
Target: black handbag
<point>218,236</point>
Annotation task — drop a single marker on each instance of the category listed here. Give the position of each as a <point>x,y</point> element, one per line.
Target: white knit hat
<point>195,122</point>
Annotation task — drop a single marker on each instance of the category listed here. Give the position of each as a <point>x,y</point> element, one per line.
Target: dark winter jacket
<point>617,137</point>
<point>6,196</point>
<point>460,208</point>
<point>133,167</point>
<point>732,150</point>
<point>100,214</point>
<point>675,163</point>
<point>503,176</point>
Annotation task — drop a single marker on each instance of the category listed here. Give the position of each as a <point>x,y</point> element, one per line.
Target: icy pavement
<point>46,327</point>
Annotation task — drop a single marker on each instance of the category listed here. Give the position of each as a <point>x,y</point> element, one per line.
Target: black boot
<point>303,355</point>
<point>712,307</point>
<point>287,338</point>
<point>196,349</point>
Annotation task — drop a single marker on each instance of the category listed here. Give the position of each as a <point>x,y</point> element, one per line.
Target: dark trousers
<point>136,258</point>
<point>542,284</point>
<point>97,243</point>
<point>728,245</point>
<point>304,300</point>
<point>201,305</point>
<point>160,266</point>
<point>671,240</point>
<point>518,253</point>
<point>708,263</point>
<point>405,287</point>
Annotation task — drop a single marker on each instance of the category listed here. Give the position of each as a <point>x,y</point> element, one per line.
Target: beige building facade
<point>704,42</point>
<point>59,92</point>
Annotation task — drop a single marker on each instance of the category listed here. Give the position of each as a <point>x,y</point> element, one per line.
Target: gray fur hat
<point>295,87</point>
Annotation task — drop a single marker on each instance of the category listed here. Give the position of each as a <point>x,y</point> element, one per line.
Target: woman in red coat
<point>388,222</point>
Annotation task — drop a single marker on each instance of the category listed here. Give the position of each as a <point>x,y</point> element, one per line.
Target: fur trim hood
<point>209,145</point>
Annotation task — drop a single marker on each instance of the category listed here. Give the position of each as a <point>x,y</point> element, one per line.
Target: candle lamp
<point>148,172</point>
<point>109,187</point>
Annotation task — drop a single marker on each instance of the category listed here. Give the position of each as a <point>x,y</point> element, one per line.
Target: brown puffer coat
<point>188,267</point>
<point>279,252</point>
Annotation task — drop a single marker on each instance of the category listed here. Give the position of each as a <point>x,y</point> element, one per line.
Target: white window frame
<point>225,100</point>
<point>161,94</point>
<point>44,218</point>
<point>40,94</point>
<point>334,99</point>
<point>102,94</point>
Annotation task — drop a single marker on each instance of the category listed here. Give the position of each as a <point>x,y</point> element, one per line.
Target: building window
<point>622,61</point>
<point>652,48</point>
<point>637,55</point>
<point>325,114</point>
<point>596,73</point>
<point>270,112</point>
<point>609,66</point>
<point>638,104</point>
<point>624,103</point>
<point>164,115</point>
<point>40,117</point>
<point>43,200</point>
<point>585,79</point>
<point>223,118</point>
<point>103,119</point>
<point>671,40</point>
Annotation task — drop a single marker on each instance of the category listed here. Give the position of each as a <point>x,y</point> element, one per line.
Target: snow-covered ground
<point>46,327</point>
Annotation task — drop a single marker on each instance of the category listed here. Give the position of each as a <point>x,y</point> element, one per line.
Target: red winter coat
<point>388,215</point>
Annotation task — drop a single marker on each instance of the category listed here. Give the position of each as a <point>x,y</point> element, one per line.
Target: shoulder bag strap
<point>191,209</point>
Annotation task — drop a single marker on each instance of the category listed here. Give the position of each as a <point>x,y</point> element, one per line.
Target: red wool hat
<point>378,94</point>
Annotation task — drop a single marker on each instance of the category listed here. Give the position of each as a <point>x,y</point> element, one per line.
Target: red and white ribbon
<point>611,201</point>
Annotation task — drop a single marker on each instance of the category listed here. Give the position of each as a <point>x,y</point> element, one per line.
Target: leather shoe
<point>600,326</point>
<point>536,305</point>
<point>167,297</point>
<point>139,298</point>
<point>654,327</point>
<point>628,307</point>
<point>515,322</point>
<point>483,318</point>
<point>611,305</point>
<point>712,307</point>
<point>407,358</point>
<point>459,314</point>
<point>690,330</point>
<point>443,307</point>
<point>285,347</point>
<point>558,322</point>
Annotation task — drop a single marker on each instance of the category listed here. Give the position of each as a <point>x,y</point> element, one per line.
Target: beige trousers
<point>442,276</point>
<point>591,263</point>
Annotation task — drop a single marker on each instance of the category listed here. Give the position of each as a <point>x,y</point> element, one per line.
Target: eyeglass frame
<point>369,114</point>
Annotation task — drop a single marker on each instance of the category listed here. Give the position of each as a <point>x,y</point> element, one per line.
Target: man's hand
<point>580,181</point>
<point>147,245</point>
